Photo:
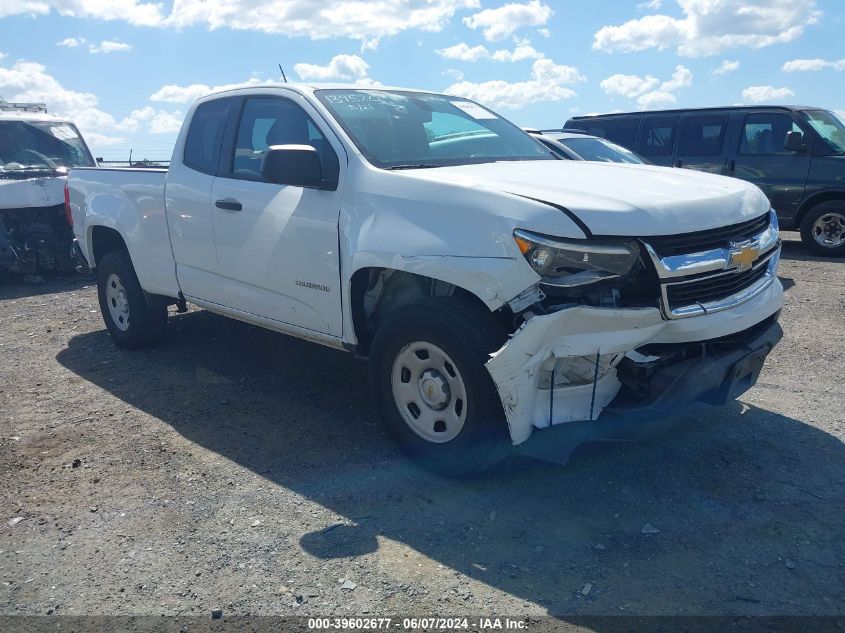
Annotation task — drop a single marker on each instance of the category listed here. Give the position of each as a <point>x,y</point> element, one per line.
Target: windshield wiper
<point>413,166</point>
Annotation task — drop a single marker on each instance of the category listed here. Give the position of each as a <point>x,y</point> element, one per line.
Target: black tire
<point>831,207</point>
<point>467,334</point>
<point>145,324</point>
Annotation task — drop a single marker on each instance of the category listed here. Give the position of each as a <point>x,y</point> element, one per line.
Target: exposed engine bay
<point>35,240</point>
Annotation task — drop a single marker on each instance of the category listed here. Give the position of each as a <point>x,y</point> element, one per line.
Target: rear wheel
<point>431,389</point>
<point>823,228</point>
<point>130,320</point>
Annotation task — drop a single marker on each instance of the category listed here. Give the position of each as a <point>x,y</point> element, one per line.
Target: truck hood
<point>32,192</point>
<point>615,198</point>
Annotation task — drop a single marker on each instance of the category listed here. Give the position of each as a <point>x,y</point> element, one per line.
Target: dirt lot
<point>239,469</point>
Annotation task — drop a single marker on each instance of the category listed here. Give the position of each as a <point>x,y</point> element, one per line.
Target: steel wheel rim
<point>829,230</point>
<point>429,392</point>
<point>117,302</point>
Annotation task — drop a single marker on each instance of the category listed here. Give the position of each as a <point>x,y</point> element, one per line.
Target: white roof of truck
<point>311,87</point>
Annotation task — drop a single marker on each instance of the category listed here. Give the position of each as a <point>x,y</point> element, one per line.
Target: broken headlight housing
<point>570,263</point>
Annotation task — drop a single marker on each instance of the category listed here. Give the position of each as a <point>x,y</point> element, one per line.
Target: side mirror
<point>794,142</point>
<point>296,165</point>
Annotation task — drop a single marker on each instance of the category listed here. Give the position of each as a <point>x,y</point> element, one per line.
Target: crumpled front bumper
<point>572,339</point>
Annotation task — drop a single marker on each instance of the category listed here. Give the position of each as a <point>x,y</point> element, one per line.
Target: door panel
<point>701,143</point>
<point>188,200</point>
<point>762,159</point>
<point>277,245</point>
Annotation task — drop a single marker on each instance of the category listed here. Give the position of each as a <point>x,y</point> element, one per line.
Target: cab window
<point>764,133</point>
<point>202,144</point>
<point>268,121</point>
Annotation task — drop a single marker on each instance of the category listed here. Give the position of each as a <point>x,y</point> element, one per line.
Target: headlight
<point>563,262</point>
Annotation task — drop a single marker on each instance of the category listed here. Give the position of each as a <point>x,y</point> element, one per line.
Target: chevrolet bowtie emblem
<point>743,256</point>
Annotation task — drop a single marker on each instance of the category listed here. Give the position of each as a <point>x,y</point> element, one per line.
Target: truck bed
<point>136,196</point>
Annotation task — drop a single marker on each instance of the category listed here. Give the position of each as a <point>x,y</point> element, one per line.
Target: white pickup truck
<point>503,297</point>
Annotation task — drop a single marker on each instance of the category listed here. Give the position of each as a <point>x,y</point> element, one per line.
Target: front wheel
<point>431,389</point>
<point>823,229</point>
<point>131,321</point>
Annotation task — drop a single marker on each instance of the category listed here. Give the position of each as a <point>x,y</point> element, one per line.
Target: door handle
<point>229,204</point>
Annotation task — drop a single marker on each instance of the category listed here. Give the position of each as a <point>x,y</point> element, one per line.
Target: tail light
<point>68,213</point>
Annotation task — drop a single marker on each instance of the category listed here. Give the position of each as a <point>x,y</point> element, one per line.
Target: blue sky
<point>126,70</point>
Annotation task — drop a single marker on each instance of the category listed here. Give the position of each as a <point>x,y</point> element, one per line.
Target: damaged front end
<point>607,360</point>
<point>35,236</point>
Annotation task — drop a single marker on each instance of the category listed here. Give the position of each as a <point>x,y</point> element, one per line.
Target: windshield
<point>600,150</point>
<point>41,146</point>
<point>829,127</point>
<point>406,130</point>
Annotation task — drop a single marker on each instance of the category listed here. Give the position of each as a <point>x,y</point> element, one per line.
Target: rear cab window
<point>202,143</point>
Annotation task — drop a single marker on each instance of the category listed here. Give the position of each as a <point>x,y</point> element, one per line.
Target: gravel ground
<point>239,469</point>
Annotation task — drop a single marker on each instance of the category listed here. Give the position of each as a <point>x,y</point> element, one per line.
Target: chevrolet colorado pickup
<point>503,297</point>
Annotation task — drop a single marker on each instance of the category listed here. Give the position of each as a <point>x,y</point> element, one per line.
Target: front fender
<point>494,280</point>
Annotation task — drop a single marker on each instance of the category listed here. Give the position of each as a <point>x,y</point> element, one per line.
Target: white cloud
<point>173,93</point>
<point>156,121</point>
<point>712,26</point>
<point>71,42</point>
<point>30,81</point>
<point>548,83</point>
<point>763,94</point>
<point>107,46</point>
<point>726,67</point>
<point>367,20</point>
<point>453,73</point>
<point>341,67</point>
<point>463,52</point>
<point>801,65</point>
<point>466,53</point>
<point>522,52</point>
<point>497,24</point>
<point>656,99</point>
<point>629,86</point>
<point>681,78</point>
<point>650,5</point>
<point>648,91</point>
<point>131,11</point>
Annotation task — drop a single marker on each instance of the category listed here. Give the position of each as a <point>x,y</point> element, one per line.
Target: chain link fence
<point>141,158</point>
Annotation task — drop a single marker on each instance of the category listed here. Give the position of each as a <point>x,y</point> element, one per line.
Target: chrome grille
<point>706,240</point>
<point>711,288</point>
<point>709,271</point>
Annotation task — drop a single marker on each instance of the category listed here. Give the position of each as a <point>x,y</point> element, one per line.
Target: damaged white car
<point>36,150</point>
<point>504,298</point>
